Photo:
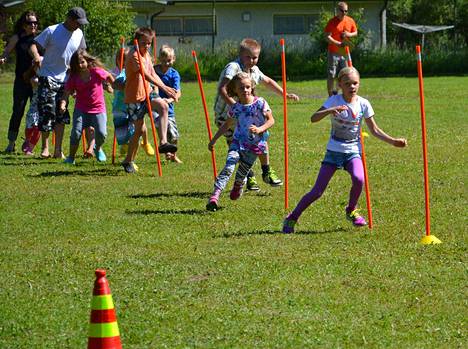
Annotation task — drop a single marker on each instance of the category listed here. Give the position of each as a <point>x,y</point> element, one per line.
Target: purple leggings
<point>355,169</point>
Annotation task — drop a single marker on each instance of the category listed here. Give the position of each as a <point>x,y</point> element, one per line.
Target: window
<point>183,26</point>
<point>293,24</point>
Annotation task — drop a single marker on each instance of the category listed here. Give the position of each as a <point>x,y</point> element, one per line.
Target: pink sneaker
<point>237,190</point>
<point>212,204</point>
<point>356,218</point>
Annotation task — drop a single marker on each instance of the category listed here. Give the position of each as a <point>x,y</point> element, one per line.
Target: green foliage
<point>105,28</point>
<point>428,12</point>
<point>182,277</point>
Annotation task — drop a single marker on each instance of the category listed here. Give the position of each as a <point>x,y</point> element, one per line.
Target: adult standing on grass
<point>338,31</point>
<point>25,31</point>
<point>60,42</point>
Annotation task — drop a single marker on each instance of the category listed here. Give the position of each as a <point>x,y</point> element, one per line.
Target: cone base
<point>430,240</point>
<point>104,343</point>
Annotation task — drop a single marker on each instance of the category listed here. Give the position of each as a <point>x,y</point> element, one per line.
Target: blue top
<point>172,79</point>
<point>118,104</point>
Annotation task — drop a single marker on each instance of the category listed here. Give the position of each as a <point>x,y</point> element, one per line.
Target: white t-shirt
<point>345,127</point>
<point>229,71</point>
<point>59,44</point>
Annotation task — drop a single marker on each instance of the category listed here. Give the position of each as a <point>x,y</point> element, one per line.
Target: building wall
<point>230,26</point>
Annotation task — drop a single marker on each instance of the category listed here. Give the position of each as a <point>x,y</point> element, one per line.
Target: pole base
<point>430,240</point>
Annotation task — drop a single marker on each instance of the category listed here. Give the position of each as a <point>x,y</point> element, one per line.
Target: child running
<point>135,97</point>
<point>32,132</point>
<point>86,78</point>
<point>249,52</point>
<point>171,78</point>
<point>346,112</point>
<point>252,117</point>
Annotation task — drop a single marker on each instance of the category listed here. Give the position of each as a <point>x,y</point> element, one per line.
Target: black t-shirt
<point>23,58</point>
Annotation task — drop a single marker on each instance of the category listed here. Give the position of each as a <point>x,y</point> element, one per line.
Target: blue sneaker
<point>100,155</point>
<point>69,160</point>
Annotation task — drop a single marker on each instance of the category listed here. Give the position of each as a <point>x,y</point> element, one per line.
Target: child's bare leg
<point>89,131</point>
<point>162,109</point>
<point>133,145</point>
<point>45,145</point>
<point>59,130</point>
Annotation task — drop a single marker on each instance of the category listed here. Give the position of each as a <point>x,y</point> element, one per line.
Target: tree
<point>108,21</point>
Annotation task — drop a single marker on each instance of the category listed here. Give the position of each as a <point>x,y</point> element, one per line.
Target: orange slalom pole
<point>83,141</point>
<point>424,142</point>
<point>148,105</point>
<point>363,155</point>
<point>207,118</point>
<point>121,54</point>
<point>285,127</point>
<point>53,137</point>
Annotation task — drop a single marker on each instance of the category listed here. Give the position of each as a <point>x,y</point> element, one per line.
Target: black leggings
<point>22,91</point>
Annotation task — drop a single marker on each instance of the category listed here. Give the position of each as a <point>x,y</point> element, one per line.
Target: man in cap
<point>59,42</point>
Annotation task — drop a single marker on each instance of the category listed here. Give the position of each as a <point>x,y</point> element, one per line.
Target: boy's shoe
<point>123,149</point>
<point>356,218</point>
<point>10,149</point>
<point>69,160</point>
<point>252,184</point>
<point>129,167</point>
<point>147,148</point>
<point>135,167</point>
<point>100,155</point>
<point>288,225</point>
<point>212,204</point>
<point>167,148</point>
<point>236,191</point>
<point>272,179</point>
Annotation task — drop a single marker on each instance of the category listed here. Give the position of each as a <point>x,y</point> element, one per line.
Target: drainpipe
<point>383,26</point>
<point>213,13</point>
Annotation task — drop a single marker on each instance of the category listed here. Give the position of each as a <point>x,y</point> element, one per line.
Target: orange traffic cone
<point>103,329</point>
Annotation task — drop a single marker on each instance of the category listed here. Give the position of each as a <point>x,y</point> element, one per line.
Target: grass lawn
<point>183,277</point>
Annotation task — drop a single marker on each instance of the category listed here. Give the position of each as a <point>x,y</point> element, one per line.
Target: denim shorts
<point>339,159</point>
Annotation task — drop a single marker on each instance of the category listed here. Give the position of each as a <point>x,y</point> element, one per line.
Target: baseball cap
<point>78,14</point>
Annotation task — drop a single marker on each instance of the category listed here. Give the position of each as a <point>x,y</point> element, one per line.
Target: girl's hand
<point>3,60</point>
<point>62,108</point>
<point>400,142</point>
<point>337,110</point>
<point>292,96</point>
<point>211,145</point>
<point>255,129</point>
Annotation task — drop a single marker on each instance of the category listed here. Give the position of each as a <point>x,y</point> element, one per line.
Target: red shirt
<point>336,27</point>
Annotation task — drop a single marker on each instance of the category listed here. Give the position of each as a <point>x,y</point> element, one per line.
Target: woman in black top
<point>25,31</point>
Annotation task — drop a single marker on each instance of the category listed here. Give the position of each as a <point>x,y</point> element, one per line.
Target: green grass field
<point>182,277</point>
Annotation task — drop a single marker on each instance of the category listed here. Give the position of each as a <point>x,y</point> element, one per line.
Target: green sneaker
<point>252,184</point>
<point>272,179</point>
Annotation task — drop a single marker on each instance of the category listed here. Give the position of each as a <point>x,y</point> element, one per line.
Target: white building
<point>194,23</point>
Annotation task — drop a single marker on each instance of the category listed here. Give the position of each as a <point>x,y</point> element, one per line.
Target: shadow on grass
<point>84,173</point>
<point>273,232</point>
<point>26,161</point>
<point>190,194</point>
<point>190,212</point>
<point>193,194</point>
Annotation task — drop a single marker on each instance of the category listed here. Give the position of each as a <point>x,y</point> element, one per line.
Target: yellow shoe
<point>123,149</point>
<point>148,149</point>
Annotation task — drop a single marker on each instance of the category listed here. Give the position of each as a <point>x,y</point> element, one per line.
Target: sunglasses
<point>31,23</point>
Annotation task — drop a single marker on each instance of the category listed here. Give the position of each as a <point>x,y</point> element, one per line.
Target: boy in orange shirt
<point>337,33</point>
<point>135,97</point>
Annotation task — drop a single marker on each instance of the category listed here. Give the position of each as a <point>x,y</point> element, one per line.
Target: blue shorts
<point>339,160</point>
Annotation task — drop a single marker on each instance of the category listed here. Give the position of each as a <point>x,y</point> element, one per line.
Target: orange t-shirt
<point>134,88</point>
<point>336,28</point>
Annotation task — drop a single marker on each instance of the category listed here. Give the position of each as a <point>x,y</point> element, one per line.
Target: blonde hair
<point>231,86</point>
<point>166,51</point>
<point>348,71</point>
<point>249,45</point>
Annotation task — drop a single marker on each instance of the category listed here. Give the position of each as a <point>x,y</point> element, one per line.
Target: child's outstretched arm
<point>222,130</point>
<point>377,132</point>
<point>273,86</point>
<point>322,112</point>
<point>222,90</point>
<point>270,121</point>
